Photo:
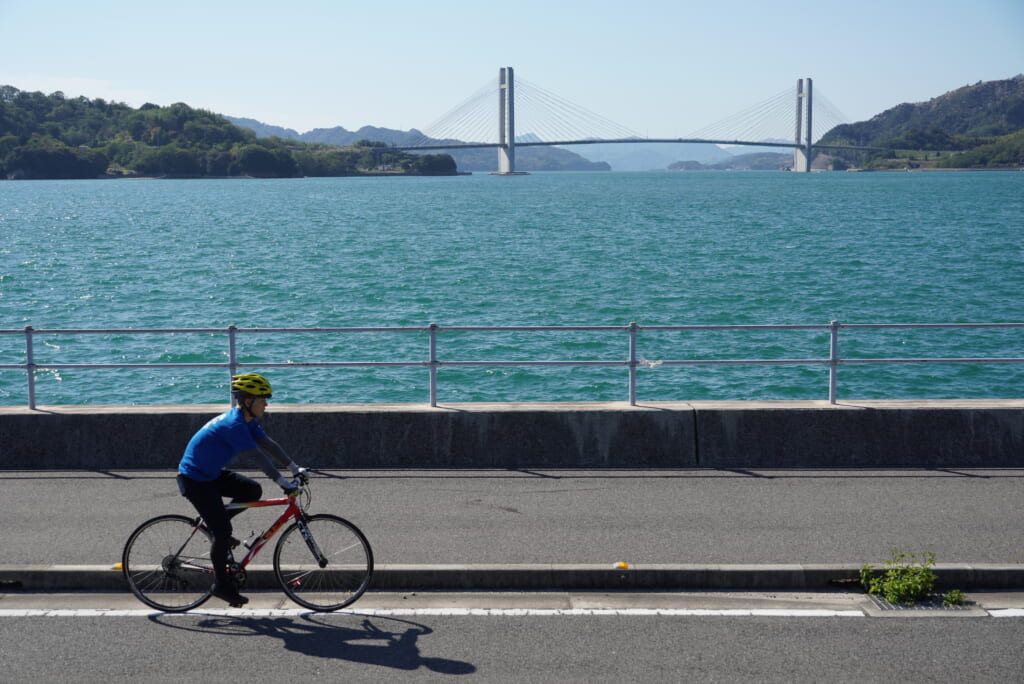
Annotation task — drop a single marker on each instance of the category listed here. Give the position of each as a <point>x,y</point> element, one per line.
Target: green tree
<point>57,162</point>
<point>435,165</point>
<point>258,161</point>
<point>168,160</point>
<point>7,144</point>
<point>216,163</point>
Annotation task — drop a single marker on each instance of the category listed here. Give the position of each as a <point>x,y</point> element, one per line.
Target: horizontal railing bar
<point>82,366</point>
<point>622,362</point>
<point>203,331</point>
<point>254,364</point>
<point>487,328</point>
<point>533,328</point>
<point>734,362</point>
<point>847,362</point>
<point>919,326</point>
<point>565,362</point>
<point>332,364</point>
<point>114,331</point>
<point>686,328</point>
<point>419,329</point>
<point>308,364</point>
<point>996,359</point>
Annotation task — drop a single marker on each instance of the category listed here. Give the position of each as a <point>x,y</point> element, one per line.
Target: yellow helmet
<point>252,384</point>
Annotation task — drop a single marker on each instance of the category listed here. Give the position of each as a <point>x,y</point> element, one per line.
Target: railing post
<point>833,360</point>
<point>433,364</point>
<point>232,361</point>
<point>632,363</point>
<point>30,368</point>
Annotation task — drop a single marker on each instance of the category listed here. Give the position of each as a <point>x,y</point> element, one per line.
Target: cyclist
<point>204,480</point>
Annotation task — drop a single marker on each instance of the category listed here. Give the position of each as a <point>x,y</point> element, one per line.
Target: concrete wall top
<point>512,407</point>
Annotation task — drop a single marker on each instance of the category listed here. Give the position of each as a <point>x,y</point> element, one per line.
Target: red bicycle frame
<point>293,510</point>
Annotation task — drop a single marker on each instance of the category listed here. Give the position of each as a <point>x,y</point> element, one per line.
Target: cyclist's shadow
<point>370,644</point>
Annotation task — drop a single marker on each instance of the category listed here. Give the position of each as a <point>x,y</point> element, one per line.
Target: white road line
<point>445,612</point>
<point>626,612</point>
<point>466,612</point>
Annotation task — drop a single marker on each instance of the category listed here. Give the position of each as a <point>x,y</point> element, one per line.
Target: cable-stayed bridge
<point>785,120</point>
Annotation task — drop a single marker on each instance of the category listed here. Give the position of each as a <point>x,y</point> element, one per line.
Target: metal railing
<point>433,362</point>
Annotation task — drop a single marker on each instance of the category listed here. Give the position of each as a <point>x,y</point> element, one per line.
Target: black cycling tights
<point>207,497</point>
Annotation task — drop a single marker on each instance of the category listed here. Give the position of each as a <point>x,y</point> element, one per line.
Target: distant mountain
<point>649,156</point>
<point>341,136</point>
<point>337,135</point>
<point>590,157</point>
<point>480,160</point>
<point>263,130</point>
<point>754,161</point>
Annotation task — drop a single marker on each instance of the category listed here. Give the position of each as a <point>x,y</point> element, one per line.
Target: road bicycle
<point>322,562</point>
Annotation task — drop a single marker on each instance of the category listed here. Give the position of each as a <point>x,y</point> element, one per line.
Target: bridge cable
<point>462,123</point>
<point>770,119</point>
<point>568,118</point>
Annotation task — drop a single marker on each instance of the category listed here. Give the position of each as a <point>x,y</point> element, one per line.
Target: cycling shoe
<point>229,594</point>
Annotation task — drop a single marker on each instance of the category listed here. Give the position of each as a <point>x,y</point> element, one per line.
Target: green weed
<point>906,579</point>
<point>954,597</point>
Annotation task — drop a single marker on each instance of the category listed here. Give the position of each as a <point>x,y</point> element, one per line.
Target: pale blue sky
<point>664,68</point>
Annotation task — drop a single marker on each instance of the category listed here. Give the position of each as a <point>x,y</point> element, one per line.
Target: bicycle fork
<point>318,555</point>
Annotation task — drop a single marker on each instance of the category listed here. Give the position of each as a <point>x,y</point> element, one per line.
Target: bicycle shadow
<point>369,645</point>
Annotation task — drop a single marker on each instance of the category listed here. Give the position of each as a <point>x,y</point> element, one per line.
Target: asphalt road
<point>429,517</point>
<point>510,647</point>
<point>511,516</point>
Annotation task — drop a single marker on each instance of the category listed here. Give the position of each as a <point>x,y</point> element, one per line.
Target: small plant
<point>905,579</point>
<point>954,597</point>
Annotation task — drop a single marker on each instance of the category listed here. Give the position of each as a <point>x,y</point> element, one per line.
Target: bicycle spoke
<point>341,581</point>
<point>166,562</point>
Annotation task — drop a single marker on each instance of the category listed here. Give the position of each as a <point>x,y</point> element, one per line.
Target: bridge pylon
<point>803,152</point>
<point>507,124</point>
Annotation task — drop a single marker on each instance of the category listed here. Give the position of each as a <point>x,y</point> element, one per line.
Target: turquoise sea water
<point>558,249</point>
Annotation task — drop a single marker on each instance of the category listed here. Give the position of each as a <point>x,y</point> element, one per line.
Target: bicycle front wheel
<point>324,563</point>
<point>166,562</point>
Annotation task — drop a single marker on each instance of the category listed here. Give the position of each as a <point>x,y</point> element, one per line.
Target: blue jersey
<point>216,444</point>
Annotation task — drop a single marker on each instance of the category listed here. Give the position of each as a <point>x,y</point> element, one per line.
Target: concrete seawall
<point>780,434</point>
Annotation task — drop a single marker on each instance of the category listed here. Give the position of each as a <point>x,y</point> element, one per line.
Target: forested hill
<point>52,136</point>
<point>983,123</point>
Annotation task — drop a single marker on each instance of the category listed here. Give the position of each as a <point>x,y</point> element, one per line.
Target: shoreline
<point>937,170</point>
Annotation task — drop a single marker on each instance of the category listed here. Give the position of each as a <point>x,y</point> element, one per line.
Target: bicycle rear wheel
<point>324,563</point>
<point>166,562</point>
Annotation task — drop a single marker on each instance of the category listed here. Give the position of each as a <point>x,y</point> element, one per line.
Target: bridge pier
<point>803,154</point>
<point>506,124</point>
<point>800,163</point>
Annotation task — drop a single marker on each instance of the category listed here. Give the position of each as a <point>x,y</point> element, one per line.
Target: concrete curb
<point>550,577</point>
